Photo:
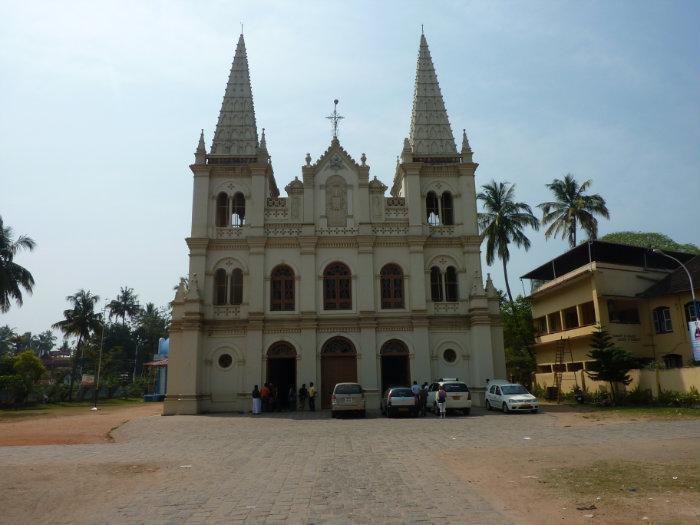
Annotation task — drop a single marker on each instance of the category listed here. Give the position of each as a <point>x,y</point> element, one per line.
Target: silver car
<point>399,400</point>
<point>348,398</point>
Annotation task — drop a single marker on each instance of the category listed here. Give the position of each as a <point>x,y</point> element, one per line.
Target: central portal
<point>282,371</point>
<point>395,364</point>
<point>338,365</point>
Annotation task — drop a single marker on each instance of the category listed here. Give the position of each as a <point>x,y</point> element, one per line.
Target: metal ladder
<point>563,350</point>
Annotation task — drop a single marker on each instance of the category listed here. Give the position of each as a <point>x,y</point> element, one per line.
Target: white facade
<point>279,316</point>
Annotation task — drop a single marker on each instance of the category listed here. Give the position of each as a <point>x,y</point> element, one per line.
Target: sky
<point>102,104</point>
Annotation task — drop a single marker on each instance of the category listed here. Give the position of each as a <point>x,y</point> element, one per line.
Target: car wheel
<point>333,415</point>
<point>488,405</point>
<point>466,411</point>
<point>505,408</point>
<point>534,411</point>
<point>363,413</point>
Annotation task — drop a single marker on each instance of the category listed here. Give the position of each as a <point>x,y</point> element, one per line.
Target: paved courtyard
<point>286,468</point>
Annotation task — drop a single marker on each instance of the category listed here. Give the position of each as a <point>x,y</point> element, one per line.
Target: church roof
<point>431,134</point>
<point>236,132</point>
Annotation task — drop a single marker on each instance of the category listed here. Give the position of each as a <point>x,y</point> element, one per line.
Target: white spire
<point>236,131</point>
<point>467,153</point>
<point>431,134</point>
<point>200,154</point>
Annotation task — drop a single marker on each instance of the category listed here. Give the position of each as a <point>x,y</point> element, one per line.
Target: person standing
<point>442,401</point>
<point>265,396</point>
<point>312,397</point>
<point>257,402</point>
<point>303,394</point>
<point>423,399</point>
<point>292,398</point>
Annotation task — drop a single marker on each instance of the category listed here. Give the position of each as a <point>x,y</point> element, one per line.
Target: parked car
<point>458,396</point>
<point>398,400</point>
<point>510,397</point>
<point>348,398</point>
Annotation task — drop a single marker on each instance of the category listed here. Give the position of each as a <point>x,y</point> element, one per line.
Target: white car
<point>458,395</point>
<point>398,400</point>
<point>510,397</point>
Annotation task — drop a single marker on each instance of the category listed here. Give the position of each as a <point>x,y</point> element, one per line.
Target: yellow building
<point>640,297</point>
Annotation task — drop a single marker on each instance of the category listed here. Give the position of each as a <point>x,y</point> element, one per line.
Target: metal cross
<point>335,118</point>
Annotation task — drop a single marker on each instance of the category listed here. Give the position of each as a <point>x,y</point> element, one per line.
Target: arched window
<point>451,284</point>
<point>238,210</point>
<point>435,284</point>
<point>337,293</point>
<point>691,311</point>
<point>282,288</point>
<point>447,208</point>
<point>237,286</point>
<point>662,320</point>
<point>391,285</point>
<point>222,210</point>
<point>432,210</point>
<point>220,286</point>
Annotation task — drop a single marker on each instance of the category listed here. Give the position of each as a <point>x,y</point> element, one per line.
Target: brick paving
<point>282,468</point>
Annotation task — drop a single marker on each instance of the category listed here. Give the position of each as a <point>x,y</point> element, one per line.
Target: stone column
<point>417,278</point>
<point>365,273</point>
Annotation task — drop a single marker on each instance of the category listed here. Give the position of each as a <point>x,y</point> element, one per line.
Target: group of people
<point>421,393</point>
<point>268,399</point>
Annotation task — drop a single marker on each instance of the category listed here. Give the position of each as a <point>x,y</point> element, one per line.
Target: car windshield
<point>514,389</point>
<point>401,392</point>
<point>348,389</point>
<point>455,387</point>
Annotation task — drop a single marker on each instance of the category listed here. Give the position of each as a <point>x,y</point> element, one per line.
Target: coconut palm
<point>502,222</point>
<point>572,208</point>
<point>126,304</point>
<point>12,275</point>
<point>79,321</point>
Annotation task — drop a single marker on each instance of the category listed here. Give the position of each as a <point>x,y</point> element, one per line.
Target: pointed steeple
<point>466,148</point>
<point>236,132</point>
<point>431,134</point>
<point>200,155</point>
<point>262,147</point>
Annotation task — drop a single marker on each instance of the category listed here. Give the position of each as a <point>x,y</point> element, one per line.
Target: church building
<point>336,281</point>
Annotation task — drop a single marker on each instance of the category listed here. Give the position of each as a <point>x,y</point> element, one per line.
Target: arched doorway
<point>282,370</point>
<point>338,365</point>
<point>395,364</point>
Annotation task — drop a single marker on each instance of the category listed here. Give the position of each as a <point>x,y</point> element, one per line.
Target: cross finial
<point>334,118</point>
<point>421,30</point>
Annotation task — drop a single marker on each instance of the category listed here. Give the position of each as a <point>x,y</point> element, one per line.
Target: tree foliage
<point>125,305</point>
<point>609,363</point>
<point>650,240</point>
<point>13,277</point>
<point>518,338</point>
<point>502,222</point>
<point>19,375</point>
<point>572,208</point>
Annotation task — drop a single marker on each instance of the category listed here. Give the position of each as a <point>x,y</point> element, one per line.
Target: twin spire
<point>430,134</point>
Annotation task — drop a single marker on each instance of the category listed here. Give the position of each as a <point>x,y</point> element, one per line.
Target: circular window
<point>225,360</point>
<point>449,355</point>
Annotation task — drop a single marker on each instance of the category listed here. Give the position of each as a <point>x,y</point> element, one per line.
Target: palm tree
<point>502,222</point>
<point>79,321</point>
<point>126,304</point>
<point>12,275</point>
<point>571,208</point>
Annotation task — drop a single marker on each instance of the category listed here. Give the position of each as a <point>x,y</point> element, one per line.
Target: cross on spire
<point>335,118</point>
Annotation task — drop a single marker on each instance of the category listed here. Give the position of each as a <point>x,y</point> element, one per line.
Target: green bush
<point>679,399</point>
<point>636,396</point>
<point>538,391</point>
<point>137,388</point>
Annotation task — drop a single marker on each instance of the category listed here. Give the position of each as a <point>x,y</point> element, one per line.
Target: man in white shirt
<point>415,388</point>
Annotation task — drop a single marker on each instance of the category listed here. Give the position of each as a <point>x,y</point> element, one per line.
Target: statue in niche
<point>336,201</point>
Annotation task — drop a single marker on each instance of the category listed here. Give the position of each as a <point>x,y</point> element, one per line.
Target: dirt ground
<point>70,426</point>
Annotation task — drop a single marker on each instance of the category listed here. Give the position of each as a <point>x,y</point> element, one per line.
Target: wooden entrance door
<point>338,365</point>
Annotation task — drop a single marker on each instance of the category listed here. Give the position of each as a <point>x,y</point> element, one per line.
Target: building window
<point>554,322</point>
<point>225,360</point>
<point>391,285</point>
<point>691,311</point>
<point>673,361</point>
<point>575,366</point>
<point>449,355</point>
<point>544,369</point>
<point>624,312</point>
<point>451,293</point>
<point>540,326</point>
<point>587,314</point>
<point>435,284</point>
<point>282,289</point>
<point>432,209</point>
<point>662,320</point>
<point>337,287</point>
<point>237,286</point>
<point>220,287</point>
<point>447,208</point>
<point>238,210</point>
<point>222,210</point>
<point>570,318</point>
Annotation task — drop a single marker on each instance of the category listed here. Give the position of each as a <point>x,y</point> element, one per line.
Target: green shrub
<point>636,396</point>
<point>679,399</point>
<point>137,388</point>
<point>538,391</point>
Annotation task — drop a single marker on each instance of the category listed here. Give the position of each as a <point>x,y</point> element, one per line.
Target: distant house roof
<point>609,252</point>
<point>676,281</point>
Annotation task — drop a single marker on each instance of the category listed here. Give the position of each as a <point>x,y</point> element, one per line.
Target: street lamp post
<point>99,360</point>
<point>692,290</point>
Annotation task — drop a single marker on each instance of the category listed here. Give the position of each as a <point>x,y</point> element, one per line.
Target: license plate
<point>348,400</point>
<point>456,398</point>
<point>403,409</point>
<point>525,406</point>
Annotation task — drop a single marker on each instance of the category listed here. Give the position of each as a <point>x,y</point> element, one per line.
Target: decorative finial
<point>241,27</point>
<point>201,152</point>
<point>263,143</point>
<point>363,159</point>
<point>421,29</point>
<point>334,118</point>
<point>466,148</point>
<point>308,159</point>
